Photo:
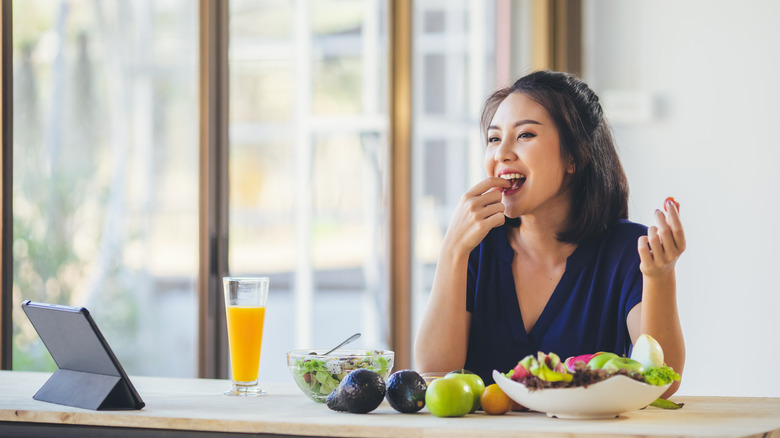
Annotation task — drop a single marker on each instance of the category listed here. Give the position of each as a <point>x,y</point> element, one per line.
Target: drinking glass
<point>245,300</point>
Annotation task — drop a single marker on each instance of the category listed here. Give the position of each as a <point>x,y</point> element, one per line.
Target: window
<point>105,190</point>
<point>308,169</point>
<point>454,71</point>
<point>106,150</point>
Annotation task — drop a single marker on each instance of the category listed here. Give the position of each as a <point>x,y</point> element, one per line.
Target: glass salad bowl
<point>318,375</point>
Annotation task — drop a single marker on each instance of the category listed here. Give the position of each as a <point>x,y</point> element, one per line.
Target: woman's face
<point>524,147</point>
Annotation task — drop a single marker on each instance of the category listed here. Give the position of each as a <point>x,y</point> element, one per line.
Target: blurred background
<point>106,162</point>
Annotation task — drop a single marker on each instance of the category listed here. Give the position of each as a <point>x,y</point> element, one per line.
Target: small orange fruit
<point>495,401</point>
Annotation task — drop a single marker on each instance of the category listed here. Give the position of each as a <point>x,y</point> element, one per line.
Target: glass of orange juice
<point>245,300</point>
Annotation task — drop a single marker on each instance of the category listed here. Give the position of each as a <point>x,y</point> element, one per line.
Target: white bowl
<point>606,399</point>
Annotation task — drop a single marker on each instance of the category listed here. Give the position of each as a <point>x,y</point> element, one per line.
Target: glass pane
<point>308,170</point>
<point>454,59</point>
<point>105,190</point>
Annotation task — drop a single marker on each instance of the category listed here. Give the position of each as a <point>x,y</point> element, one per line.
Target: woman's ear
<point>571,168</point>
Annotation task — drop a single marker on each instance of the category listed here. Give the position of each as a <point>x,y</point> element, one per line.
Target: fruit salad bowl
<point>606,399</point>
<point>318,375</point>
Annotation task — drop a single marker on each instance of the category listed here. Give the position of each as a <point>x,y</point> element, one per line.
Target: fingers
<point>664,242</point>
<point>675,224</point>
<point>663,230</point>
<point>670,227</point>
<point>489,184</point>
<point>484,199</point>
<point>481,203</point>
<point>489,210</point>
<point>653,258</point>
<point>655,243</point>
<point>496,220</point>
<point>480,210</point>
<point>645,256</point>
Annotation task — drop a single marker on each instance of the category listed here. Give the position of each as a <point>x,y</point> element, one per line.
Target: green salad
<point>320,375</point>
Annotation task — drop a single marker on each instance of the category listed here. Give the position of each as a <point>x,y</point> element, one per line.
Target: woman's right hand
<point>479,211</point>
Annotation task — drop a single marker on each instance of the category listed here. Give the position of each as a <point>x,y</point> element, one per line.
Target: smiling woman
<point>570,274</point>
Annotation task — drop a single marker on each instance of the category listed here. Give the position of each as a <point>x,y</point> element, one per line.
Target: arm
<point>657,314</point>
<point>442,338</point>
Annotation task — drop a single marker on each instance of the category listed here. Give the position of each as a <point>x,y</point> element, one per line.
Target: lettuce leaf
<point>660,376</point>
<point>384,364</point>
<point>666,404</point>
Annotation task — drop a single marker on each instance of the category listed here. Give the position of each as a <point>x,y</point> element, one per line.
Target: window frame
<point>213,195</point>
<point>6,185</point>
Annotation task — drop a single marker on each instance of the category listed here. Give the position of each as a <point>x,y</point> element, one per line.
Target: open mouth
<point>516,179</point>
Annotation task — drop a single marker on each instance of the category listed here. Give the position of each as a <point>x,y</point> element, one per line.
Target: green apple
<point>648,352</point>
<point>624,363</point>
<point>449,397</point>
<point>597,362</point>
<point>474,381</point>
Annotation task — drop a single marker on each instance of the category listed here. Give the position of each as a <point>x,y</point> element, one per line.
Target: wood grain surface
<point>198,405</point>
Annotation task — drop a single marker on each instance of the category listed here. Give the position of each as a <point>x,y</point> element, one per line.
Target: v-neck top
<point>586,312</point>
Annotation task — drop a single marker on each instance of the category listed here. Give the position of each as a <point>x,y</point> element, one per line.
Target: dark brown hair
<point>598,187</point>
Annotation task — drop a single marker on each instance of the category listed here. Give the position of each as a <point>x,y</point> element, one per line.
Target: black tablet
<point>89,375</point>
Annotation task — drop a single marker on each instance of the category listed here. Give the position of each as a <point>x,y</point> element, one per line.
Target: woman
<point>540,256</point>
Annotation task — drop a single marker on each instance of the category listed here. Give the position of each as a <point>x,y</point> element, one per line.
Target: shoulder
<point>621,240</point>
<point>625,230</point>
<point>617,246</point>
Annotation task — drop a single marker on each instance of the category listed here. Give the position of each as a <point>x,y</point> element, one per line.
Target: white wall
<point>710,136</point>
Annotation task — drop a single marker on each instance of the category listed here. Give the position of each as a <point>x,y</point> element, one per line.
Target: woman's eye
<point>493,139</point>
<point>526,135</point>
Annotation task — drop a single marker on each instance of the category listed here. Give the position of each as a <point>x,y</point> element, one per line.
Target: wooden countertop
<point>198,405</point>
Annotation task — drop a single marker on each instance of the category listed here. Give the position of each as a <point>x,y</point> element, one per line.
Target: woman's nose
<point>504,152</point>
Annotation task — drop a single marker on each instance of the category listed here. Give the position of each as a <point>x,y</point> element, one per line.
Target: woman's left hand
<point>660,249</point>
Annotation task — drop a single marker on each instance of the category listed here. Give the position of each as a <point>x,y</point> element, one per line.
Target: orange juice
<point>245,337</point>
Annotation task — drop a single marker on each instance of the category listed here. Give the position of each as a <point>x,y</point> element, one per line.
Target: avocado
<point>360,392</point>
<point>335,401</point>
<point>406,391</point>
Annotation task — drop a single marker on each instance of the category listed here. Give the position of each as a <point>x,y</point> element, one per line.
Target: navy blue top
<point>585,314</point>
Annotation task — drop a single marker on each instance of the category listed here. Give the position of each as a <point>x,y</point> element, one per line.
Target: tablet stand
<point>86,390</point>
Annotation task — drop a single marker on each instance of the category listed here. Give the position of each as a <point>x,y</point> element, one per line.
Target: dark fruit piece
<point>360,392</point>
<point>406,391</point>
<point>335,400</point>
